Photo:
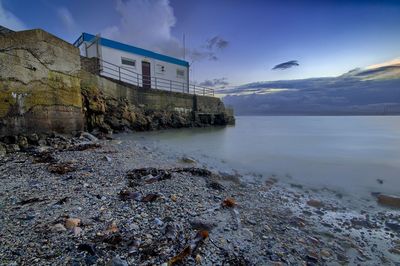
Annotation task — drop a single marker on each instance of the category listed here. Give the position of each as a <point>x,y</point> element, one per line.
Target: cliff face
<point>39,84</point>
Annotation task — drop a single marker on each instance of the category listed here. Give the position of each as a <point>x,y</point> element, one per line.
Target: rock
<point>87,248</point>
<point>389,200</point>
<point>158,222</point>
<point>107,158</point>
<point>393,225</point>
<point>23,142</point>
<point>11,148</point>
<point>199,224</point>
<point>70,223</point>
<point>117,261</point>
<point>188,160</point>
<point>395,250</point>
<point>77,231</point>
<point>113,228</point>
<point>59,228</point>
<point>198,259</point>
<point>315,203</point>
<point>325,253</point>
<point>216,186</point>
<point>89,136</point>
<point>3,150</point>
<point>174,197</point>
<point>33,139</point>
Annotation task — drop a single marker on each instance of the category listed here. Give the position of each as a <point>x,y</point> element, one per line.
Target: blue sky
<point>231,42</point>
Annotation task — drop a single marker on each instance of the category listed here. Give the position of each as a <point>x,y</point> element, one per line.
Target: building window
<point>180,73</point>
<point>128,62</point>
<point>160,69</point>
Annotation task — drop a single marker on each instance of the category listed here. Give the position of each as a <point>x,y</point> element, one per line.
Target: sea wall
<point>39,84</point>
<point>110,104</point>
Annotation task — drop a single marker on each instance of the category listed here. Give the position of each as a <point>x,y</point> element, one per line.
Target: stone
<point>395,250</point>
<point>3,150</point>
<point>59,228</point>
<point>325,253</point>
<point>198,259</point>
<point>188,160</point>
<point>89,136</point>
<point>33,138</point>
<point>23,142</point>
<point>70,223</point>
<point>107,158</point>
<point>174,197</point>
<point>202,224</point>
<point>117,261</point>
<point>389,200</point>
<point>77,231</point>
<point>11,148</point>
<point>315,203</point>
<point>393,225</point>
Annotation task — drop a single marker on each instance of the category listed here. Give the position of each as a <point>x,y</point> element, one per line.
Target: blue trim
<point>134,50</point>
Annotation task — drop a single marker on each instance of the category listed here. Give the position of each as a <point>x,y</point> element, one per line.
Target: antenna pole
<point>184,47</point>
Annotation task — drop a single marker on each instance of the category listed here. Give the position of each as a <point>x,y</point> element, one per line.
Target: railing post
<point>170,85</point>
<point>194,89</point>
<point>183,87</point>
<point>137,76</point>
<point>155,82</point>
<point>204,91</point>
<point>119,73</point>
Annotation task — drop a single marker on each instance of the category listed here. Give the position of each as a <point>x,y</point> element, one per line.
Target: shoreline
<point>269,222</point>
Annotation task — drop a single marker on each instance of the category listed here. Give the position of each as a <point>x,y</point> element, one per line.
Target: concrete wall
<point>153,99</point>
<point>39,84</point>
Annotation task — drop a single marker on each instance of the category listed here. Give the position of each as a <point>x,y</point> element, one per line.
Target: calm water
<point>347,154</point>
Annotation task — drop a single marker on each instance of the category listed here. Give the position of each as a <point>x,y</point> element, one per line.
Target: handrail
<point>128,75</point>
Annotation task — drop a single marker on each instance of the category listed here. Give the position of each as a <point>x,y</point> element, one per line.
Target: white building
<point>135,65</point>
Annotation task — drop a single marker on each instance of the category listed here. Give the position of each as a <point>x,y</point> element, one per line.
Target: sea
<point>356,156</point>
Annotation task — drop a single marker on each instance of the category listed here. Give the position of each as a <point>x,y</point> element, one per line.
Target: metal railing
<point>124,74</point>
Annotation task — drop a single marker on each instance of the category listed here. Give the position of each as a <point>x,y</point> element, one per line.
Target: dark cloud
<point>209,50</point>
<point>286,65</point>
<point>216,42</point>
<point>219,82</point>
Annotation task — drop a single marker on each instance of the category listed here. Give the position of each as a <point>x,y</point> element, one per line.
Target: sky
<point>231,42</point>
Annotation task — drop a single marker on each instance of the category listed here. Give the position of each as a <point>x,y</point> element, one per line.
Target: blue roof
<point>131,49</point>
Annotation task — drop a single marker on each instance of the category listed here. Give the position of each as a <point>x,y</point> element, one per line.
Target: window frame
<point>128,60</point>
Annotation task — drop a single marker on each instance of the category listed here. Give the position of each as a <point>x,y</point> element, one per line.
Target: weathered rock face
<point>39,84</point>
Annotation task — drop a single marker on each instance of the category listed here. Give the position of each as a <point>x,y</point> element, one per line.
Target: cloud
<point>9,20</point>
<point>216,42</point>
<point>286,65</point>
<point>147,24</point>
<point>66,17</point>
<point>218,82</point>
<point>209,50</point>
<point>395,61</point>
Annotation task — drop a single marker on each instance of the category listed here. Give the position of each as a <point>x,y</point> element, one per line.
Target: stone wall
<point>110,104</point>
<point>39,84</point>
